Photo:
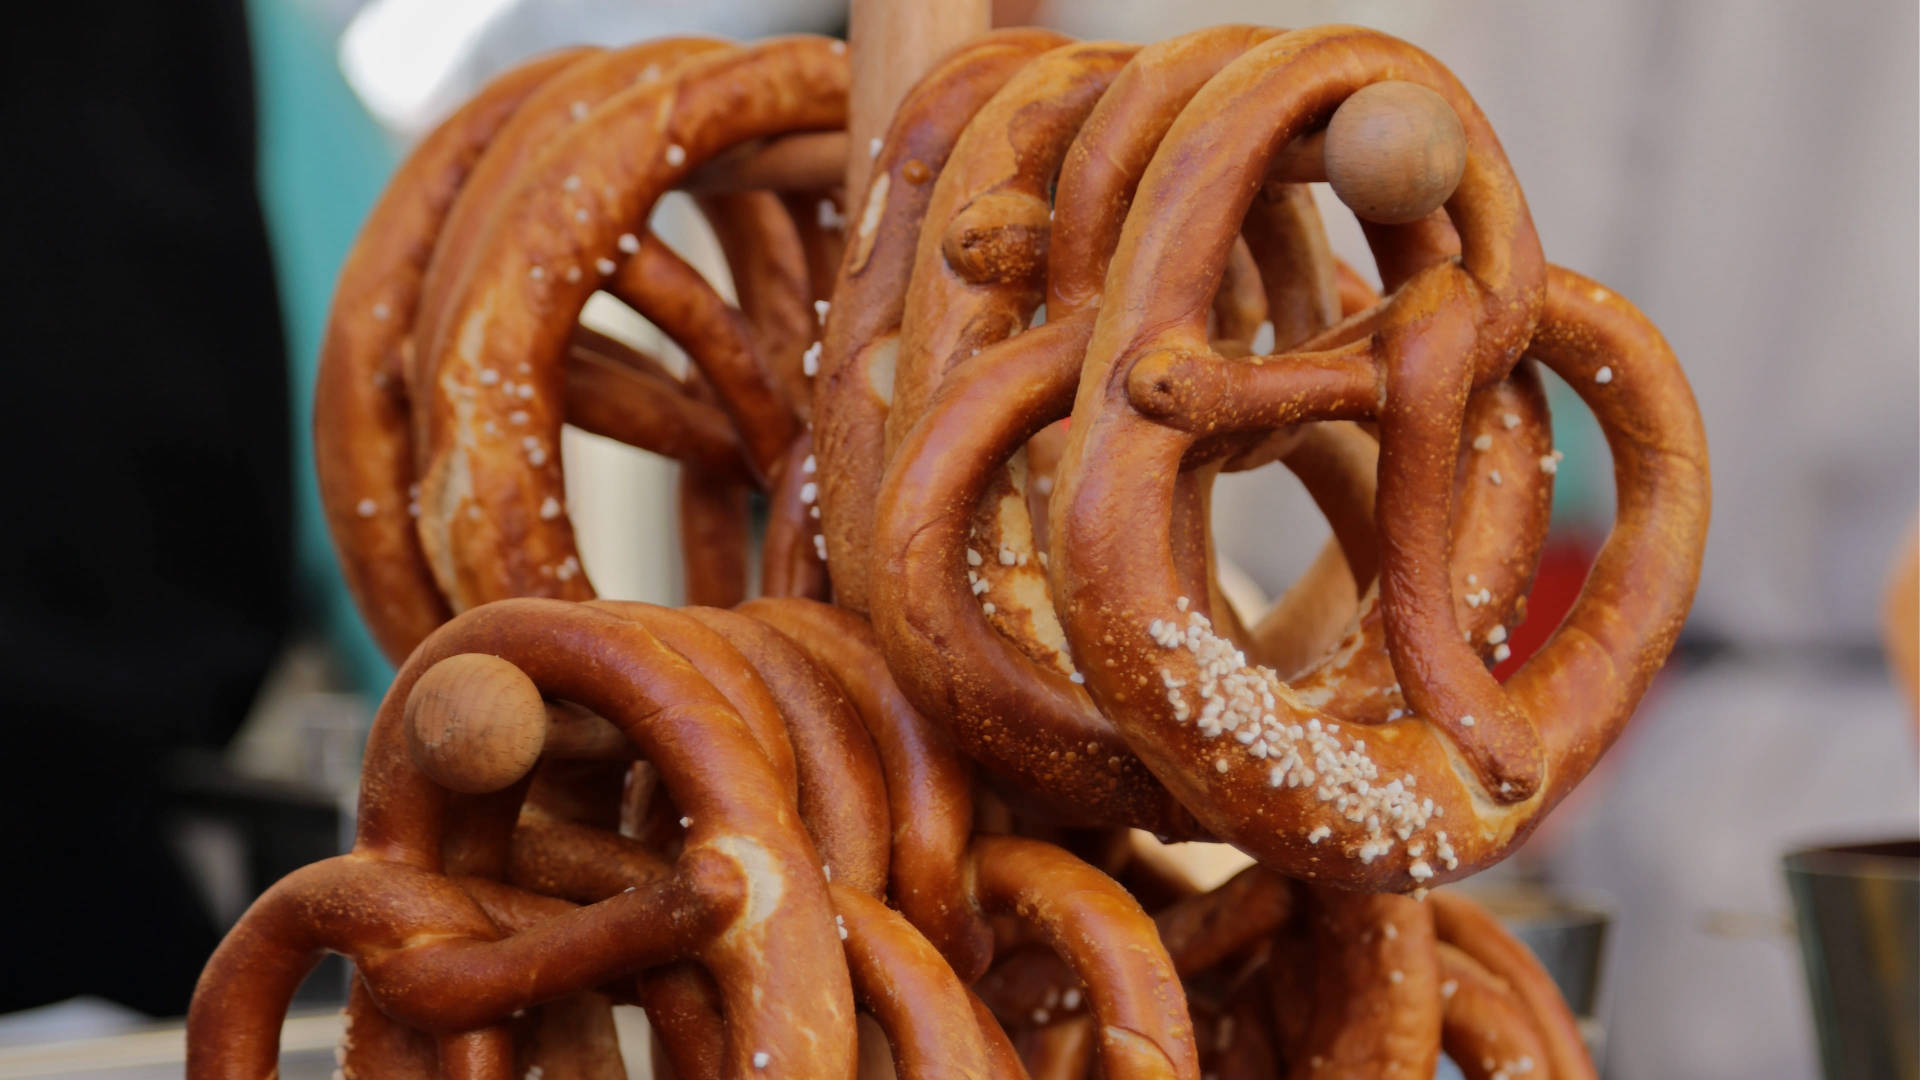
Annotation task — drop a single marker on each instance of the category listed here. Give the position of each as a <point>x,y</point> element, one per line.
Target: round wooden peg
<point>1395,152</point>
<point>475,723</point>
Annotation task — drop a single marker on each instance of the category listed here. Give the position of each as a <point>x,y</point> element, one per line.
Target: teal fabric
<point>1583,488</point>
<point>323,161</point>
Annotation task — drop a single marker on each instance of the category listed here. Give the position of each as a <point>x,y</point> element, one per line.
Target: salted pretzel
<point>754,820</point>
<point>731,427</point>
<point>1088,921</point>
<point>749,359</point>
<point>862,345</point>
<point>744,896</point>
<point>962,607</point>
<point>1411,800</point>
<point>363,453</point>
<point>482,490</point>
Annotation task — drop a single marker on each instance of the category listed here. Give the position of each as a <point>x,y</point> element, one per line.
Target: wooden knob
<point>1395,152</point>
<point>475,723</point>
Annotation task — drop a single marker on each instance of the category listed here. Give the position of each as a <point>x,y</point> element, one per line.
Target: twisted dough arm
<point>1374,1004</point>
<point>843,795</point>
<point>1106,939</point>
<point>1486,1029</point>
<point>904,983</point>
<point>715,544</point>
<point>929,785</point>
<point>729,671</point>
<point>656,414</point>
<point>792,561</point>
<point>1031,987</point>
<point>562,104</point>
<point>768,263</point>
<point>1471,929</point>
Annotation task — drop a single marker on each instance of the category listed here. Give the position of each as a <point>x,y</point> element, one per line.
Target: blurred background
<point>185,681</point>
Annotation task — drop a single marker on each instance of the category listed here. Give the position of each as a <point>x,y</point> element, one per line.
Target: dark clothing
<point>144,558</point>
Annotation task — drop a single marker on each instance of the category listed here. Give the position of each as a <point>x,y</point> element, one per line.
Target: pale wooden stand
<point>893,43</point>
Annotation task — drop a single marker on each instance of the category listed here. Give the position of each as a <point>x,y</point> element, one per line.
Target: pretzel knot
<point>1412,800</point>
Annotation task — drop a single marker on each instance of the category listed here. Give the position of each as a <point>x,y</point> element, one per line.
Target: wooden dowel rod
<point>893,43</point>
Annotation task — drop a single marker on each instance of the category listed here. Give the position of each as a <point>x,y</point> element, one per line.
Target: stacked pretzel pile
<point>983,403</point>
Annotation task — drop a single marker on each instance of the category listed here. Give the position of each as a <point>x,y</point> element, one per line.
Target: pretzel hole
<point>1270,538</point>
<point>615,491</point>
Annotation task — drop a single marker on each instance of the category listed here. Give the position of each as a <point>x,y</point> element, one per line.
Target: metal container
<point>1858,911</point>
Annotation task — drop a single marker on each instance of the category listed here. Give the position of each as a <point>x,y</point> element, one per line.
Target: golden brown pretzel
<point>854,389</point>
<point>1209,231</point>
<point>897,975</point>
<point>1363,806</point>
<point>485,479</point>
<point>1127,985</point>
<point>393,306</point>
<point>962,607</point>
<point>745,879</point>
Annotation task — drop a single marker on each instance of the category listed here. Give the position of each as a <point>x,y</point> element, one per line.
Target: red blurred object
<point>1563,570</point>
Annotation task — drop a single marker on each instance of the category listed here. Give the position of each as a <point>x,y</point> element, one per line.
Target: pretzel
<point>363,448</point>
<point>897,975</point>
<point>974,650</point>
<point>1145,397</point>
<point>1357,986</point>
<point>434,960</point>
<point>394,308</point>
